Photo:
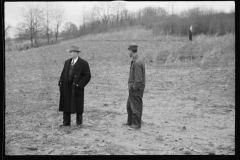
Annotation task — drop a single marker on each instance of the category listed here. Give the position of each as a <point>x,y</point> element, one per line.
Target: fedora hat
<point>74,47</point>
<point>132,46</point>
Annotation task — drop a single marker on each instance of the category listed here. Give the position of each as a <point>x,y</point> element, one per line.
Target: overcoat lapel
<point>68,64</point>
<point>76,67</point>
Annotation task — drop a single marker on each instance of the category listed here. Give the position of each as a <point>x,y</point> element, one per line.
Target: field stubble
<point>187,109</point>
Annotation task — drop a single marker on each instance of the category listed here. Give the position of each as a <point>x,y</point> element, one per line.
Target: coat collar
<point>75,60</point>
<point>70,60</point>
<point>78,64</point>
<point>135,57</point>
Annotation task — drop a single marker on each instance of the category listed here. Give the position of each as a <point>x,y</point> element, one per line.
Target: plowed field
<point>186,109</point>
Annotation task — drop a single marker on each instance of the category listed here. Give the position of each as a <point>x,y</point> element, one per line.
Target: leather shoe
<point>126,124</point>
<point>64,125</point>
<point>79,126</point>
<point>133,128</point>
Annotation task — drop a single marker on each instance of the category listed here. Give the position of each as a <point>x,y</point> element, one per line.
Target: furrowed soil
<point>186,109</point>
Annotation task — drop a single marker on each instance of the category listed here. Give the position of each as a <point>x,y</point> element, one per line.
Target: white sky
<point>73,9</point>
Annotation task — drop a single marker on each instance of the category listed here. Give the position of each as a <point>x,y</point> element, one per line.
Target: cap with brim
<point>74,47</point>
<point>132,46</point>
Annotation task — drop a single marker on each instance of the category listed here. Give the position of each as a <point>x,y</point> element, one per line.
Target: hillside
<point>174,49</point>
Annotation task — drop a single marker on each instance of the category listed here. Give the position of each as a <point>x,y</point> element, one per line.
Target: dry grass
<point>130,34</point>
<point>135,33</point>
<point>203,50</point>
<point>217,49</point>
<point>17,45</point>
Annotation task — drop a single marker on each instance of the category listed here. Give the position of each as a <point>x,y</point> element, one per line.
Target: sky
<point>73,9</point>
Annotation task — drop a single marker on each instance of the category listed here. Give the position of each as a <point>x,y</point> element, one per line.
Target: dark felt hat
<point>74,47</point>
<point>132,46</point>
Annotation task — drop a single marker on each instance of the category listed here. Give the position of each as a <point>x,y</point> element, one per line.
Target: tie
<point>131,64</point>
<point>72,63</point>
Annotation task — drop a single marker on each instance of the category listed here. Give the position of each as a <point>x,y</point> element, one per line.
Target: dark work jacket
<point>72,96</point>
<point>137,79</point>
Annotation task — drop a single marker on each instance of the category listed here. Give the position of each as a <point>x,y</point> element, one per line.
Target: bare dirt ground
<point>187,109</point>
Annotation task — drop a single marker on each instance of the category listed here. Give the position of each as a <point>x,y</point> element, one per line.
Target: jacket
<point>137,78</point>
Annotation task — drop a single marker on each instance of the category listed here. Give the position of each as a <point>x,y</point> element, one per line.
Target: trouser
<point>190,36</point>
<point>135,107</point>
<point>67,118</point>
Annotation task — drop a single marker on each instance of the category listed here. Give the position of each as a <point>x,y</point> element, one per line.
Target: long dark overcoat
<point>72,96</point>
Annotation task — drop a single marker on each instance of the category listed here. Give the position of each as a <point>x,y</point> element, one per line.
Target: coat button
<point>75,76</point>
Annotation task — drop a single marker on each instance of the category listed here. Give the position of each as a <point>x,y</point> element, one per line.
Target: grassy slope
<point>217,49</point>
<point>214,49</point>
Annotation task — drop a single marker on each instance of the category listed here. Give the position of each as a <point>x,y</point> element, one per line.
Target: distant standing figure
<point>190,33</point>
<point>74,77</point>
<point>136,85</point>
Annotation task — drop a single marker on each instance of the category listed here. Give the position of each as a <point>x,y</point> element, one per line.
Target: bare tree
<point>38,24</point>
<point>20,31</point>
<point>70,30</point>
<point>33,20</point>
<point>58,18</point>
<point>162,21</point>
<point>105,10</point>
<point>48,11</point>
<point>84,18</point>
<point>118,7</point>
<point>7,28</point>
<point>149,16</point>
<point>139,17</point>
<point>172,14</point>
<point>91,17</point>
<point>112,20</point>
<point>66,32</point>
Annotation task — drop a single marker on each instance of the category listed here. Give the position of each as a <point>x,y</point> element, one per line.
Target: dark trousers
<point>135,107</point>
<point>190,35</point>
<point>67,118</point>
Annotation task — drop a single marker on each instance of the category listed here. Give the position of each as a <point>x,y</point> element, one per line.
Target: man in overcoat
<point>136,86</point>
<point>74,77</point>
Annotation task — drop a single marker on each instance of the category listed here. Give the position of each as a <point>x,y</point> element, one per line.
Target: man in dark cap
<point>74,77</point>
<point>136,85</point>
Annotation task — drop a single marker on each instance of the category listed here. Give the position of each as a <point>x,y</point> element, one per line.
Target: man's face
<point>73,54</point>
<point>131,53</point>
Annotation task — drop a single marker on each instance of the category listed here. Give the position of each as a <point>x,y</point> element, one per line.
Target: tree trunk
<point>84,28</point>
<point>31,42</point>
<point>117,19</point>
<point>56,36</point>
<point>48,34</point>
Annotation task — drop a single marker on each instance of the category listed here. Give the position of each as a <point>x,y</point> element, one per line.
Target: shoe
<point>133,128</point>
<point>79,126</point>
<point>64,125</point>
<point>126,124</point>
